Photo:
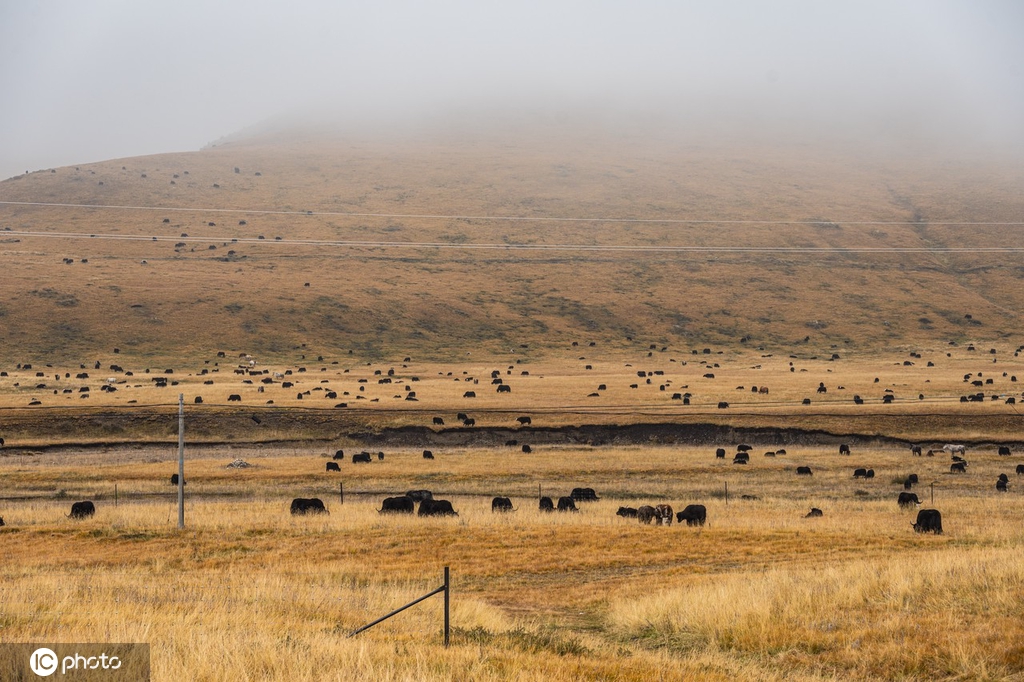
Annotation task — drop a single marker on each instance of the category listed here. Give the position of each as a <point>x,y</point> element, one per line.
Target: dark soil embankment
<point>709,435</point>
<point>47,430</point>
<point>631,434</point>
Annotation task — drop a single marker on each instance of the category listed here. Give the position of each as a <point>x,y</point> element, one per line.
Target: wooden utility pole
<point>181,461</point>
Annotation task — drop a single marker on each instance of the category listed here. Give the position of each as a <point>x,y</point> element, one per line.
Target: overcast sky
<point>84,80</point>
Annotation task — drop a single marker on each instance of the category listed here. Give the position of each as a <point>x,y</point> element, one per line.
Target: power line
<point>505,218</point>
<point>612,248</point>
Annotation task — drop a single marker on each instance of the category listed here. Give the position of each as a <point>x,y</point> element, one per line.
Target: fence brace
<point>445,588</point>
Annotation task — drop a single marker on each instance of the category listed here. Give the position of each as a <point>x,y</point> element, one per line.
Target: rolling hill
<point>439,242</point>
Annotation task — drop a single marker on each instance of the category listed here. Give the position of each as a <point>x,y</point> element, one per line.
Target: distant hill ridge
<point>338,246</point>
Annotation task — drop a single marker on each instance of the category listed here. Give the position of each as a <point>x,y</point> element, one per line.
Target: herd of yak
<point>928,520</point>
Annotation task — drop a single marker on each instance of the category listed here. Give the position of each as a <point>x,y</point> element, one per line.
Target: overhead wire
<point>611,248</point>
<point>469,246</point>
<point>504,218</point>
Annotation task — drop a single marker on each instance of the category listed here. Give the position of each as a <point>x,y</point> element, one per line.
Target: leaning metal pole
<point>445,588</point>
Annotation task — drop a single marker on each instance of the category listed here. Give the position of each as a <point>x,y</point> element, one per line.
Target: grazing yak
<point>844,449</point>
<point>720,453</point>
<point>340,454</point>
<point>626,512</point>
<point>741,458</point>
<point>363,457</point>
<point>1001,486</point>
<point>546,504</point>
<point>1020,469</point>
<point>566,503</point>
<point>419,495</point>
<point>693,514</point>
<point>645,514</point>
<point>2,521</point>
<point>663,513</point>
<point>313,505</point>
<point>438,421</point>
<point>174,480</point>
<point>915,450</point>
<point>501,504</point>
<point>958,468</point>
<point>1004,450</point>
<point>584,495</point>
<point>333,466</point>
<point>524,421</point>
<point>804,471</point>
<point>397,505</point>
<point>813,513</point>
<point>527,449</point>
<point>427,454</point>
<point>928,521</point>
<point>908,500</point>
<point>82,510</point>
<point>860,473</point>
<point>436,508</point>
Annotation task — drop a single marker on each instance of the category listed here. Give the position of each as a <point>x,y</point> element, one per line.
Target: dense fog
<point>87,81</point>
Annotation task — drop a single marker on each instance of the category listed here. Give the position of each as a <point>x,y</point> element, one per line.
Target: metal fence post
<point>447,593</point>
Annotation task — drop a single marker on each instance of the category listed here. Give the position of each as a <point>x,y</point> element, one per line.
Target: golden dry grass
<point>555,392</point>
<point>249,592</point>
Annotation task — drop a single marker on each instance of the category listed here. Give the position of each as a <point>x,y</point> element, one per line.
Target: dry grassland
<point>345,404</point>
<point>198,289</point>
<point>249,592</point>
<point>903,268</point>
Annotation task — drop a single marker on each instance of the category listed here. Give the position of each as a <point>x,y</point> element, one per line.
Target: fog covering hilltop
<point>107,79</point>
<point>528,229</point>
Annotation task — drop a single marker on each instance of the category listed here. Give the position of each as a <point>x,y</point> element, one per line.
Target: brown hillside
<point>176,296</point>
